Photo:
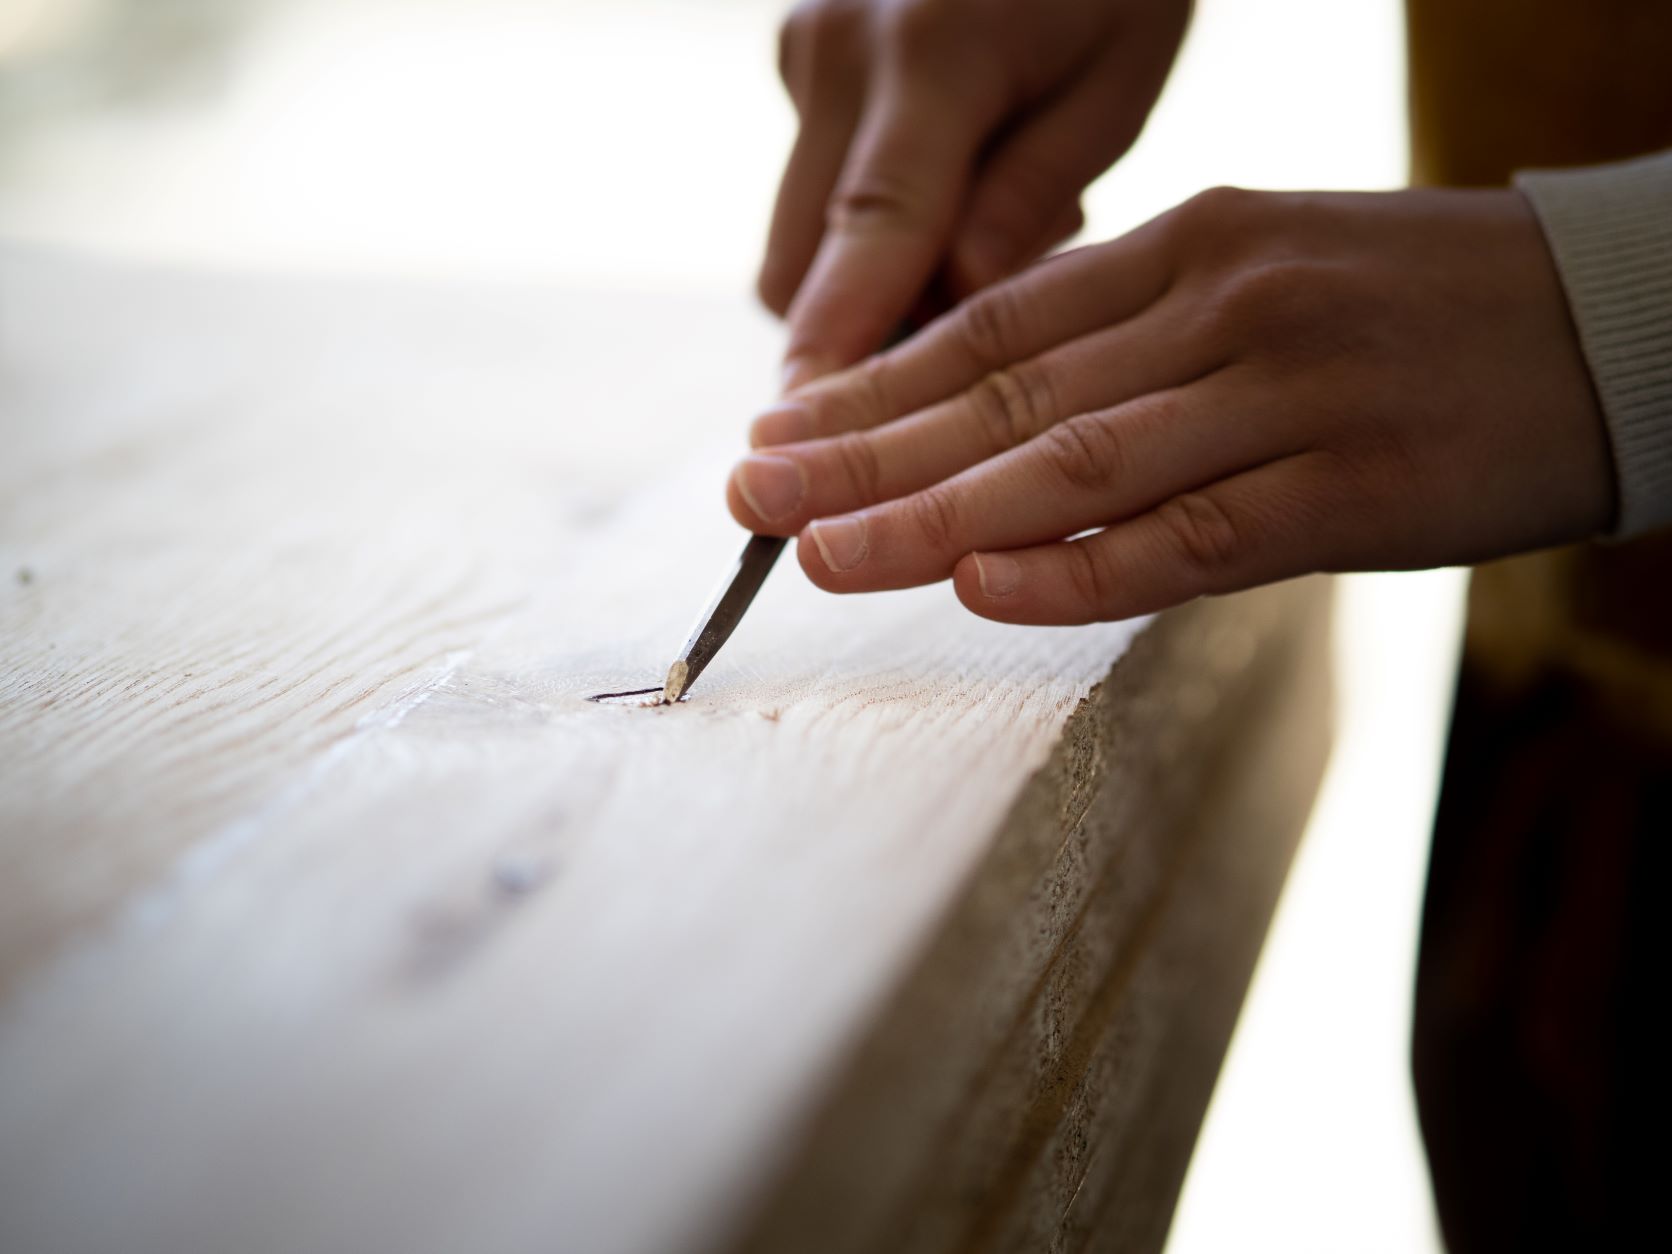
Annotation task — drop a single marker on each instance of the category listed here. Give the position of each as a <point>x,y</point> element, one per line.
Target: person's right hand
<point>946,138</point>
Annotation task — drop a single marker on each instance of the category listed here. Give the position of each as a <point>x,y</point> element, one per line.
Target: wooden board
<point>333,917</point>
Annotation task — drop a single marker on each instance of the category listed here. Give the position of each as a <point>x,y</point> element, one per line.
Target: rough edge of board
<point>1038,1079</point>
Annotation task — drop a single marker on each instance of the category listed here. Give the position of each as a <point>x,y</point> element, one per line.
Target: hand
<point>943,136</point>
<point>1250,387</point>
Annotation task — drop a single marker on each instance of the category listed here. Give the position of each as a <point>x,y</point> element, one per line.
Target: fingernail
<point>999,575</point>
<point>773,486</point>
<point>841,542</point>
<point>782,424</point>
<point>803,369</point>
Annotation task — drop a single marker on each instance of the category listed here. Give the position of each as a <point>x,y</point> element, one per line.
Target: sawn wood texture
<point>333,918</point>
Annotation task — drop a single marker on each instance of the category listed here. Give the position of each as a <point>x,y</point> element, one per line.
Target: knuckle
<point>1089,578</point>
<point>1271,285</point>
<point>1274,299</point>
<point>870,392</point>
<point>1085,452</point>
<point>989,325</point>
<point>1217,209</point>
<point>857,455</point>
<point>1161,414</point>
<point>1201,532</point>
<point>935,515</point>
<point>1013,405</point>
<point>876,199</point>
<point>853,401</point>
<point>1339,493</point>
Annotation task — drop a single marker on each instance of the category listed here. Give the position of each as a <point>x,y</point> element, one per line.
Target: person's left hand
<point>1250,387</point>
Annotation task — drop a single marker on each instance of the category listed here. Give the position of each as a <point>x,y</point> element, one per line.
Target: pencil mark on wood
<point>641,698</point>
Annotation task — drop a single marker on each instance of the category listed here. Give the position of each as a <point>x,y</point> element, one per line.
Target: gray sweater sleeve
<point>1610,231</point>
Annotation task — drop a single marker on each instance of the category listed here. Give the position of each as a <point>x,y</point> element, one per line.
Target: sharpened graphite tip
<point>675,687</point>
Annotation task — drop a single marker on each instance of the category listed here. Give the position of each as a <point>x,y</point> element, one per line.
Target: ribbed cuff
<point>1610,231</point>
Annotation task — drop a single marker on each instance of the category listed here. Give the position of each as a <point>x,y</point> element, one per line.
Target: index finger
<point>888,224</point>
<point>1063,298</point>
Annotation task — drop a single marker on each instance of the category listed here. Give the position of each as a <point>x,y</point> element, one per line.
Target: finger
<point>824,70</point>
<point>888,222</point>
<point>1060,299</point>
<point>1022,189</point>
<point>810,175</point>
<point>1085,472</point>
<point>1287,518</point>
<point>1152,353</point>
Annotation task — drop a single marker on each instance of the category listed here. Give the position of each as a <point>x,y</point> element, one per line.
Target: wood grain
<point>333,917</point>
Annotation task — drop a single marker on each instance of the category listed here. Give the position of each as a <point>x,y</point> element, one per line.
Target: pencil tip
<point>675,687</point>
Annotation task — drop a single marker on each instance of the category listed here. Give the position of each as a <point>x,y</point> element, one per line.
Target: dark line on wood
<point>635,692</point>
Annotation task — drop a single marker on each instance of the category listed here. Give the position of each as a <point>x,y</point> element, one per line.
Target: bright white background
<point>635,143</point>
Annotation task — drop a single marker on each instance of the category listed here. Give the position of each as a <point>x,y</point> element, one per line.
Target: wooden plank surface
<point>332,916</point>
